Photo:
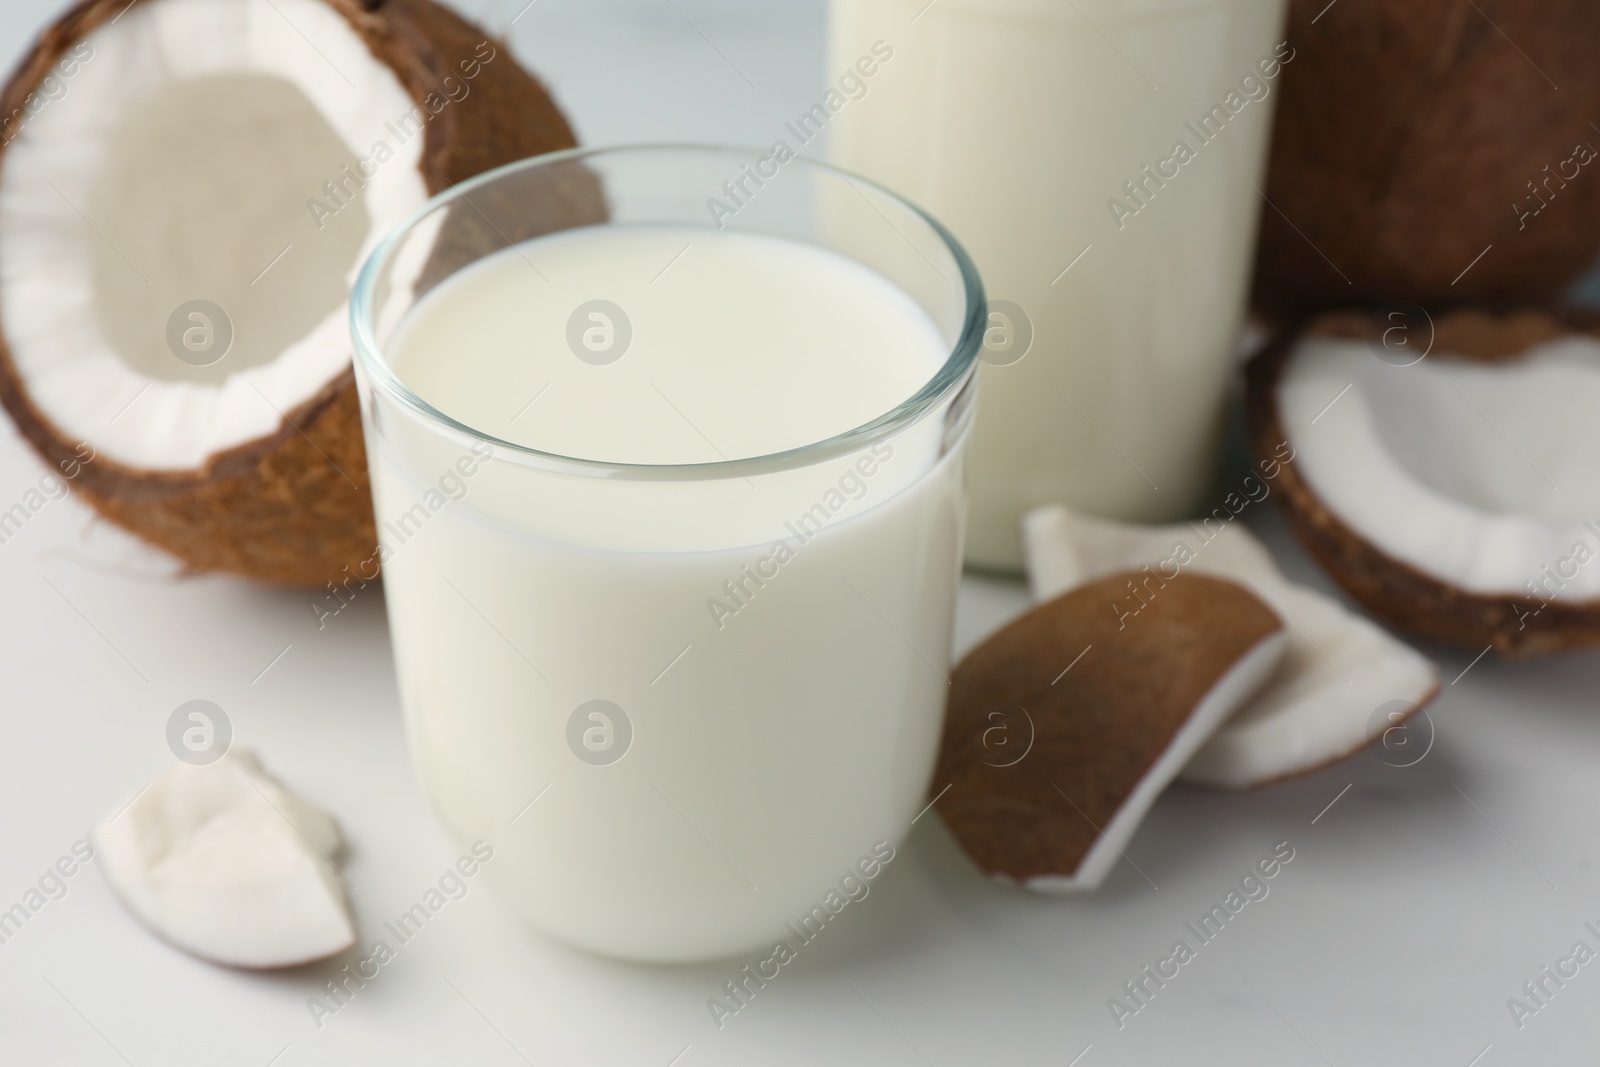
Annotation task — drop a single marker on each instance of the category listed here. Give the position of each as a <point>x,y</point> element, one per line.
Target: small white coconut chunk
<point>1320,704</point>
<point>1477,474</point>
<point>225,863</point>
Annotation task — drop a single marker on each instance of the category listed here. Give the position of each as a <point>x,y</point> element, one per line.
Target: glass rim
<point>955,371</point>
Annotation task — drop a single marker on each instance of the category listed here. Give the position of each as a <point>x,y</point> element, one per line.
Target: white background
<point>1414,906</point>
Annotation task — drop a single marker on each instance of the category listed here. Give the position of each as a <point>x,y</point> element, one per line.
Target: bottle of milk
<point>1101,160</point>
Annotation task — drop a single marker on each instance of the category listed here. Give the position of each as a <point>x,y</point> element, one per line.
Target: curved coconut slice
<point>1456,497</point>
<point>187,189</point>
<point>1051,765</point>
<point>223,862</point>
<point>1337,669</point>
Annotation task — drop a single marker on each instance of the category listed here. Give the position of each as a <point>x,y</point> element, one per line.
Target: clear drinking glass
<point>657,779</point>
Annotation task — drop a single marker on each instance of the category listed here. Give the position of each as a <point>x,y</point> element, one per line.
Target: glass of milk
<point>667,451</point>
<point>1101,159</point>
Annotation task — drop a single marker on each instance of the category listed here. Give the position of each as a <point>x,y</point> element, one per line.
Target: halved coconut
<point>1456,495</point>
<point>1422,150</point>
<point>187,189</point>
<point>223,862</point>
<point>1321,703</point>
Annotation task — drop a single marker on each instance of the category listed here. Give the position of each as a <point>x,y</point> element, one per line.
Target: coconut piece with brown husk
<point>1065,726</point>
<point>1413,135</point>
<point>1342,683</point>
<point>187,188</point>
<point>1449,484</point>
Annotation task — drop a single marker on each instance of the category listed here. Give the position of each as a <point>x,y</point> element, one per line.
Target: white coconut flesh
<point>1477,474</point>
<point>1320,704</point>
<point>226,864</point>
<point>180,162</point>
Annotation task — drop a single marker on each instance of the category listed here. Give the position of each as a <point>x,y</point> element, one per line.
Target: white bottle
<point>1039,131</point>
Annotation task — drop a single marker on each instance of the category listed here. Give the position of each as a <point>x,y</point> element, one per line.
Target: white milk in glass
<point>679,710</point>
<point>1045,134</point>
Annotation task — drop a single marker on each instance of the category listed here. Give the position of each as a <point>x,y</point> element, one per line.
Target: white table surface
<point>1414,907</point>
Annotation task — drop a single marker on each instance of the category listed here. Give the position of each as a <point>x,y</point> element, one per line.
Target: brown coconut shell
<point>1406,130</point>
<point>1038,760</point>
<point>1518,627</point>
<point>294,508</point>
